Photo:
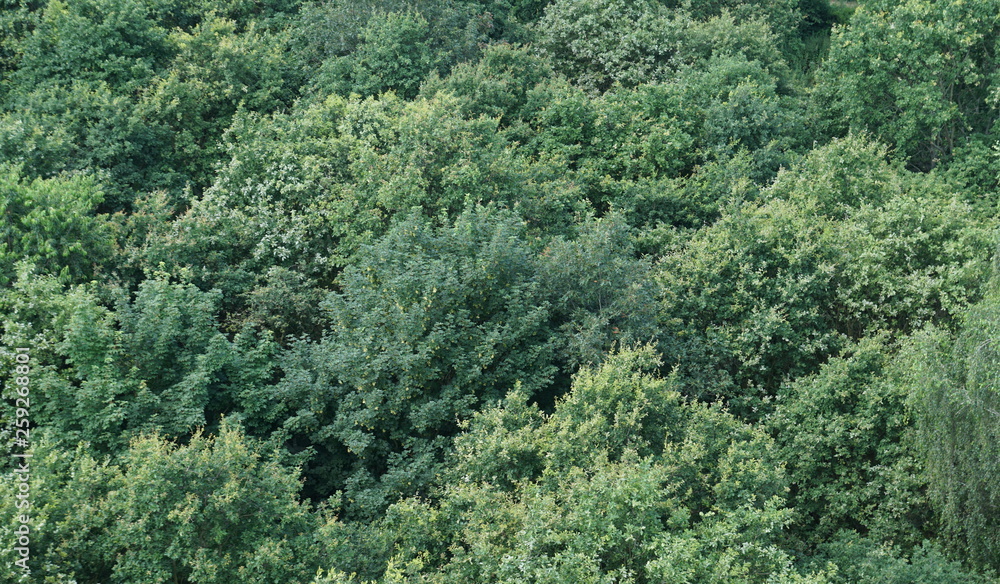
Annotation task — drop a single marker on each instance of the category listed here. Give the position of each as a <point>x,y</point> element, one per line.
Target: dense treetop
<point>461,291</point>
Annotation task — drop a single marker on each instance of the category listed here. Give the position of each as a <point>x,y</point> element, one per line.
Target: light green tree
<point>52,223</point>
<point>955,384</point>
<point>623,482</point>
<point>218,508</point>
<point>774,288</point>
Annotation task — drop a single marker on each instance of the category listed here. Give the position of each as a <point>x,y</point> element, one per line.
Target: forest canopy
<point>513,291</point>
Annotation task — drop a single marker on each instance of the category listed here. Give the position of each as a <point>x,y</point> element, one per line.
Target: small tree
<point>52,223</point>
<point>214,510</point>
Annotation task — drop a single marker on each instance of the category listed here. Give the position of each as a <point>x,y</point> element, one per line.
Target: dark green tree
<point>601,294</point>
<point>847,436</point>
<point>919,75</point>
<point>496,86</point>
<point>217,70</point>
<point>394,54</point>
<point>867,560</point>
<point>598,43</point>
<point>430,325</point>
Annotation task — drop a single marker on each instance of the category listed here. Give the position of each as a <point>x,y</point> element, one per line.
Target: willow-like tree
<point>956,384</point>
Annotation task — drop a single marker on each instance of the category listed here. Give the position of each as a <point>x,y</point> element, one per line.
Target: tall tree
<point>956,387</point>
<point>919,74</point>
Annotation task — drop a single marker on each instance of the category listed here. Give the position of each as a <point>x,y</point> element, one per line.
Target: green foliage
<point>394,54</point>
<point>453,31</point>
<point>33,309</point>
<point>607,146</point>
<point>600,293</point>
<point>782,15</point>
<point>687,202</point>
<point>627,148</point>
<point>213,510</point>
<point>624,482</point>
<point>599,43</point>
<point>817,15</point>
<point>113,41</point>
<point>216,509</point>
<point>103,85</point>
<point>188,14</point>
<point>152,369</point>
<point>772,289</point>
<point>496,86</point>
<point>52,224</point>
<point>733,105</point>
<point>157,363</point>
<point>975,168</point>
<point>955,391</point>
<point>865,561</point>
<point>918,74</point>
<point>411,246</point>
<point>17,19</point>
<point>842,11</point>
<point>305,190</point>
<point>85,126</point>
<point>431,323</point>
<point>425,154</point>
<point>269,222</point>
<point>846,434</point>
<point>529,10</point>
<point>286,303</point>
<point>273,204</point>
<point>216,71</point>
<point>66,519</point>
<point>634,135</point>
